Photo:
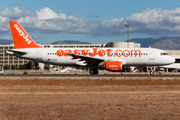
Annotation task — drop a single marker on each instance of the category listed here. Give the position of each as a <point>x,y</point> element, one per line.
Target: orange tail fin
<point>20,36</point>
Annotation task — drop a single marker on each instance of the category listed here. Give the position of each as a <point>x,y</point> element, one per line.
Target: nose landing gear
<point>151,72</point>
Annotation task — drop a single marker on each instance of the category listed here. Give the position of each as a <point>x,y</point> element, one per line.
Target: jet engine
<point>115,66</point>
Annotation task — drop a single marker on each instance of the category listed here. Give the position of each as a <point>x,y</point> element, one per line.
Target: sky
<point>94,21</point>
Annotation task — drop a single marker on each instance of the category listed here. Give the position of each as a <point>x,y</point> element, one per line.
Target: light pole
<point>128,32</point>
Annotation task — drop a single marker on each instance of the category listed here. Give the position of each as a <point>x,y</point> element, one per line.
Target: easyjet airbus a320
<point>111,59</point>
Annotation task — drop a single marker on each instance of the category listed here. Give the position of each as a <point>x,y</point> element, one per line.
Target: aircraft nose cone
<point>172,60</point>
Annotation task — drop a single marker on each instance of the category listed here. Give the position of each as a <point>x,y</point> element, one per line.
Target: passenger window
<point>164,54</point>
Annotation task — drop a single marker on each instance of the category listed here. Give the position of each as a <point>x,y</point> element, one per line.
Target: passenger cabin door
<point>151,55</point>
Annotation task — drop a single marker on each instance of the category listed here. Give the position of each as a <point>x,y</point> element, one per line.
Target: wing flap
<point>93,60</point>
<point>87,59</point>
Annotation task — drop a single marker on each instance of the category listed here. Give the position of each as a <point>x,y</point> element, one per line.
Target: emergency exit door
<point>39,52</point>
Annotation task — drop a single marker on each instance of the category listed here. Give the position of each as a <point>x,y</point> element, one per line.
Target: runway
<point>94,76</point>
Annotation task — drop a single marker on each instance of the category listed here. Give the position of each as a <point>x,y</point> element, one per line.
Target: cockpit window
<point>164,53</point>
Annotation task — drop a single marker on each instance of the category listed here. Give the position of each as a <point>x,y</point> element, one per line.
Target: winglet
<point>20,36</point>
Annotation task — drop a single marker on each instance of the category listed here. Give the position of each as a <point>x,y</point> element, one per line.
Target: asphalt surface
<point>94,76</point>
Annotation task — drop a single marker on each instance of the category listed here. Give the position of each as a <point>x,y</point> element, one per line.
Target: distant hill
<point>165,43</point>
<point>5,42</point>
<point>8,42</point>
<point>69,42</point>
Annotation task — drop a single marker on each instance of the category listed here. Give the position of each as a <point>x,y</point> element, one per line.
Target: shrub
<point>25,73</point>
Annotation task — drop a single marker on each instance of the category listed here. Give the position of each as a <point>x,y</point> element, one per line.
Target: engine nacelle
<point>115,66</point>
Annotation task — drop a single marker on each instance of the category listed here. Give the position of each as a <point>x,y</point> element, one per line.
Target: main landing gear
<point>93,72</point>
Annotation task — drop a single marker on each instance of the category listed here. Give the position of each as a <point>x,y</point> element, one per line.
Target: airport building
<point>6,59</point>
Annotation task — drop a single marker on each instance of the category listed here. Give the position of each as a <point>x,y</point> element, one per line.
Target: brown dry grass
<point>89,98</point>
<point>88,81</point>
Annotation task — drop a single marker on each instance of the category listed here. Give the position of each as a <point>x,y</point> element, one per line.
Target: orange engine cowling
<point>114,66</point>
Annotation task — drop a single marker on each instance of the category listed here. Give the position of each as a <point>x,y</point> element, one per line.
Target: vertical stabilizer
<point>20,36</point>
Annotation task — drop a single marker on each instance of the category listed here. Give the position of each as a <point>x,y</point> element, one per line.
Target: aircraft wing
<point>93,60</point>
<point>87,59</point>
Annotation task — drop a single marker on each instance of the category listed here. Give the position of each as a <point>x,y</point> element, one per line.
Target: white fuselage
<point>128,56</point>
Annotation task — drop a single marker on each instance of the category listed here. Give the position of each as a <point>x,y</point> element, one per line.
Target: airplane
<point>111,59</point>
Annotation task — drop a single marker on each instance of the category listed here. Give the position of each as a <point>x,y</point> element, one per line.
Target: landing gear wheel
<point>96,72</point>
<point>151,73</point>
<point>93,72</point>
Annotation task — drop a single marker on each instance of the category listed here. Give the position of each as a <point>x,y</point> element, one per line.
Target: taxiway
<point>94,76</point>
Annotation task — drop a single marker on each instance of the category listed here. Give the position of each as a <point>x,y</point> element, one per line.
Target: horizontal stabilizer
<point>14,51</point>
